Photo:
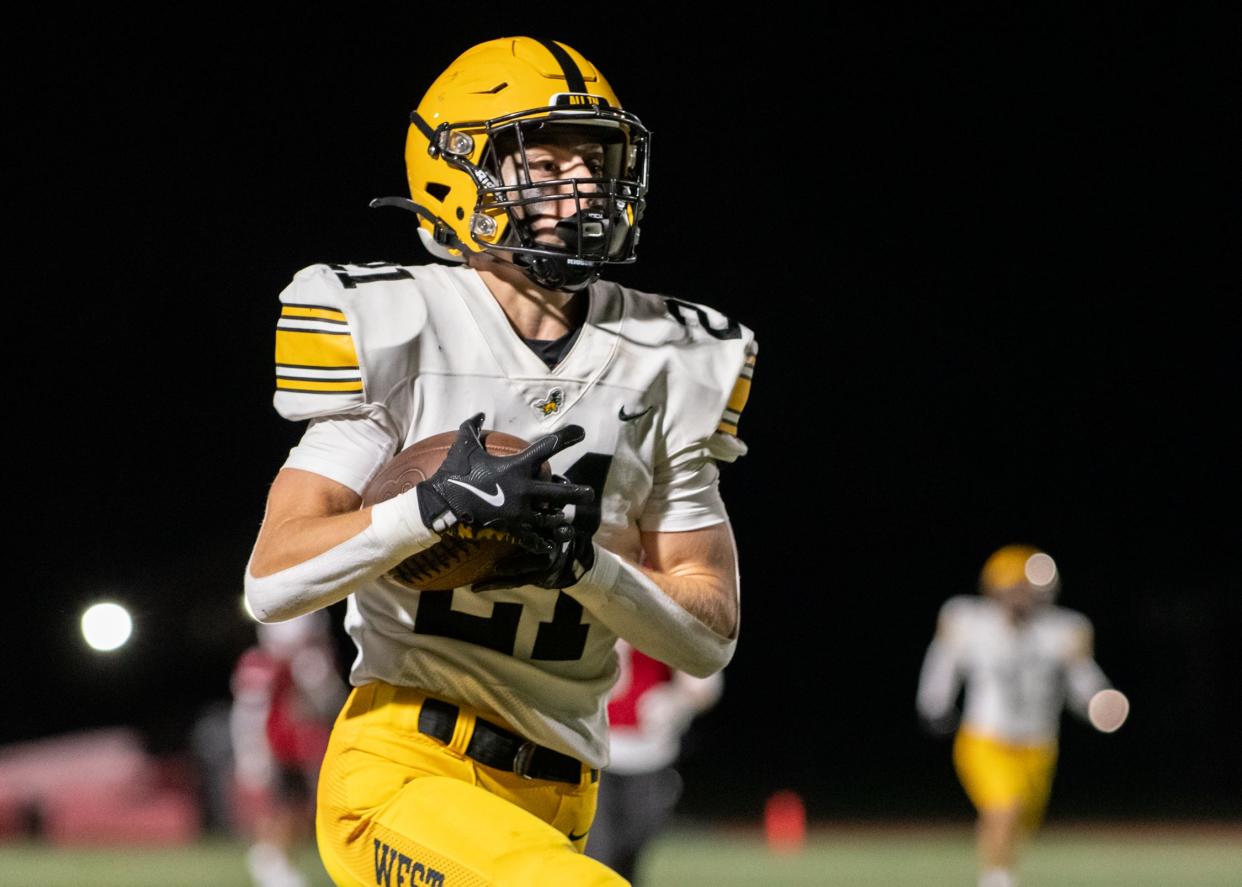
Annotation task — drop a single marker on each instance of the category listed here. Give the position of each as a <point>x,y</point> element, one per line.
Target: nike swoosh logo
<point>497,498</point>
<point>630,417</point>
<point>573,839</point>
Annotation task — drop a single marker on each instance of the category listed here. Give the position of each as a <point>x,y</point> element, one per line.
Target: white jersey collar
<point>585,359</point>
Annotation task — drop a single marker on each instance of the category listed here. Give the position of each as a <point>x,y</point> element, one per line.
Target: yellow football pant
<point>997,775</point>
<point>398,809</point>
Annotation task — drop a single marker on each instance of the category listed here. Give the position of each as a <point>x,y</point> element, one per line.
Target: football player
<point>1021,659</point>
<point>286,691</point>
<point>469,750</point>
<point>650,709</point>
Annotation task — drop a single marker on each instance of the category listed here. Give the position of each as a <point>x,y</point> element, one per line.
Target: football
<point>454,561</point>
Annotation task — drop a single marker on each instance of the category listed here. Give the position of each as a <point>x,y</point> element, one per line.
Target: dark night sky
<point>984,254</point>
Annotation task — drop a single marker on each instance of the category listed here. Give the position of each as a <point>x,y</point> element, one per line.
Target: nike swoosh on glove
<point>480,489</point>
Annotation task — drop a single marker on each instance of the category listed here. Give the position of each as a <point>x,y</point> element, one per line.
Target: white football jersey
<point>381,356</point>
<point>1017,676</point>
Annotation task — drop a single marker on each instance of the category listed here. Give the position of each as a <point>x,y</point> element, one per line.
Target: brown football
<point>454,561</point>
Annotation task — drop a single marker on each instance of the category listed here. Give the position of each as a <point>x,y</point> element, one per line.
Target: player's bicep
<point>698,570</point>
<point>323,477</point>
<point>297,521</point>
<point>953,627</point>
<point>1082,643</point>
<point>707,553</point>
<point>296,494</point>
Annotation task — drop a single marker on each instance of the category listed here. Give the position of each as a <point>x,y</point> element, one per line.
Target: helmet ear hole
<point>438,249</point>
<point>438,191</point>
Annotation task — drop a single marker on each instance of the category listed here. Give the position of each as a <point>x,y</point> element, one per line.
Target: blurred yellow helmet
<point>491,104</point>
<point>1015,565</point>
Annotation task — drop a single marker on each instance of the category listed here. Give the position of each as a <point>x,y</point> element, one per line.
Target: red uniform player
<point>286,692</point>
<point>650,710</point>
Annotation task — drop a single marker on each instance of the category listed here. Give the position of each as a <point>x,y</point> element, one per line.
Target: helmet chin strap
<point>569,273</point>
<point>556,274</point>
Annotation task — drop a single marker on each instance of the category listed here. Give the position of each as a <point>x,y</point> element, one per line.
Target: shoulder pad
<point>958,606</point>
<point>702,322</point>
<point>704,325</point>
<point>317,369</point>
<point>709,360</point>
<point>1075,620</point>
<point>712,373</point>
<point>346,335</point>
<point>955,616</point>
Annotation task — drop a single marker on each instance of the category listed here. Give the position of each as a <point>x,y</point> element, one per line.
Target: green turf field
<point>849,857</point>
<point>893,858</point>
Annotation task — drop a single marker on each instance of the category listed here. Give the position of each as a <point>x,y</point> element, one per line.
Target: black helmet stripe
<point>423,126</point>
<point>573,76</point>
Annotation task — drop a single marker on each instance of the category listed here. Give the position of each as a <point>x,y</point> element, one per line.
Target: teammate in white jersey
<point>470,749</point>
<point>1022,659</point>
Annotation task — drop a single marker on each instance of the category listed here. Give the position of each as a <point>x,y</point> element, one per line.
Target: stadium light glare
<point>1040,570</point>
<point>106,626</point>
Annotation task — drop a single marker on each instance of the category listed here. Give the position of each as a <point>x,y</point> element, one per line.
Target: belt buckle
<point>522,760</point>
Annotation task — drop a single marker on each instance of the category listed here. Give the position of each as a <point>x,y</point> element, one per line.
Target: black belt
<point>496,747</point>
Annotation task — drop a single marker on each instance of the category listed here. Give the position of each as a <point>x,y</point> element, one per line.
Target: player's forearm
<point>703,595</point>
<point>653,611</point>
<point>321,576</point>
<point>299,539</point>
<point>938,683</point>
<point>1083,679</point>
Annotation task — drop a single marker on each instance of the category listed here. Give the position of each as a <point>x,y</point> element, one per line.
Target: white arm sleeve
<point>396,532</point>
<point>938,681</point>
<point>1083,679</point>
<point>622,597</point>
<point>940,677</point>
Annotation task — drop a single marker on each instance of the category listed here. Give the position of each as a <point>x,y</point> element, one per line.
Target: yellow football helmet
<point>1023,569</point>
<point>470,176</point>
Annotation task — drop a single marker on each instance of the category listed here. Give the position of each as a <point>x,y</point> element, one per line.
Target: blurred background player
<point>1021,659</point>
<point>650,709</point>
<point>286,693</point>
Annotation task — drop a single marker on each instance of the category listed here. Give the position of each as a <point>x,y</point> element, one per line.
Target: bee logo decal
<point>551,404</point>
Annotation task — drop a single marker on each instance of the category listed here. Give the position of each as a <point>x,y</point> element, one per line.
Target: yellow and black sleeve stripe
<point>315,351</point>
<point>737,400</point>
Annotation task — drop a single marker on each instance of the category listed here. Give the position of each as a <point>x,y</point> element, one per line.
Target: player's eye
<point>543,169</point>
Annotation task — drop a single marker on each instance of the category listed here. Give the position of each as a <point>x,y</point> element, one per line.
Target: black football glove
<point>572,555</point>
<point>478,489</point>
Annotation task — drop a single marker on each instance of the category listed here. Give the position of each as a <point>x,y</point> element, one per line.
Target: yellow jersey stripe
<point>738,398</point>
<point>285,383</point>
<point>308,348</point>
<point>316,311</point>
<point>741,393</point>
